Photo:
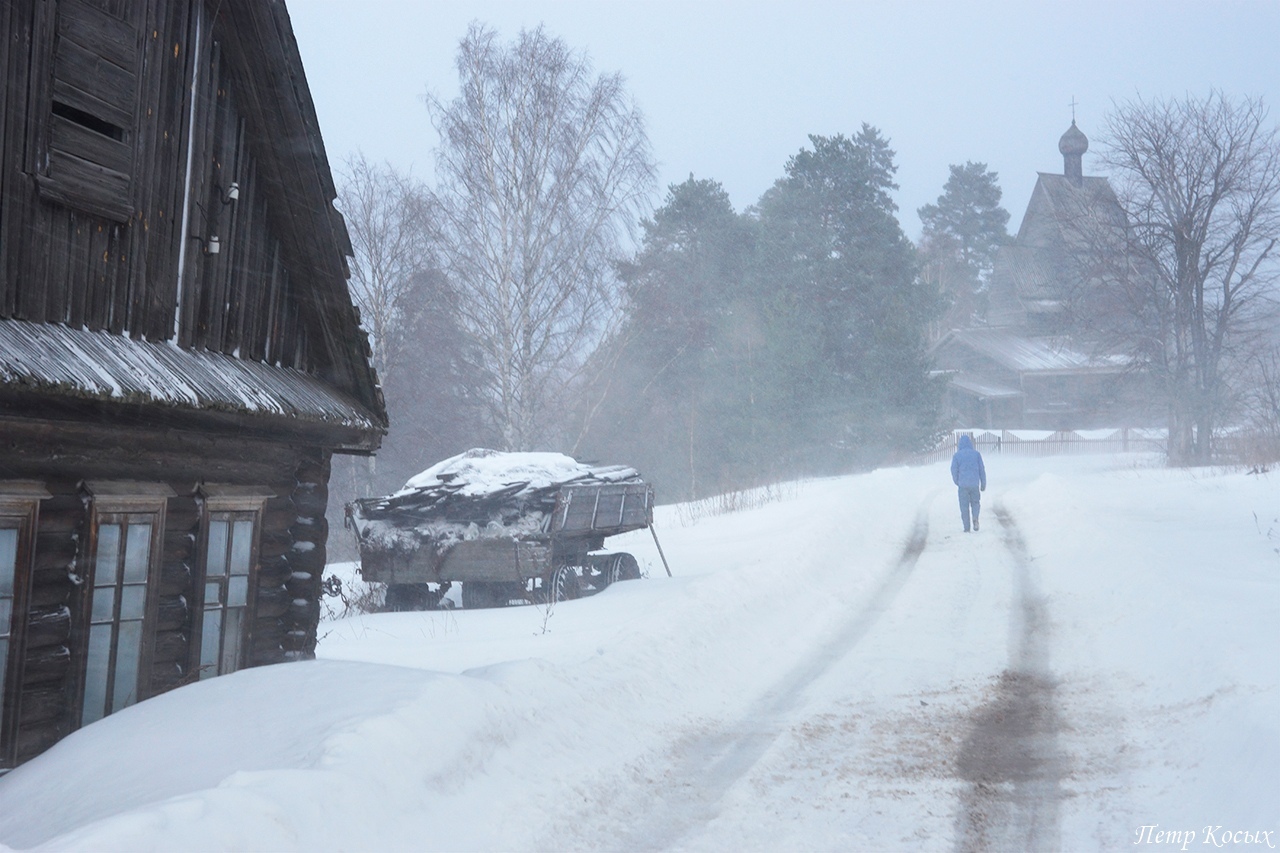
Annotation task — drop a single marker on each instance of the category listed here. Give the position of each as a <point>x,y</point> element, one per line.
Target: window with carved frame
<point>229,548</point>
<point>126,534</point>
<point>19,513</point>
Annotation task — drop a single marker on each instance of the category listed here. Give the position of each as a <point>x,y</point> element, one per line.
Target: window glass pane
<point>238,591</point>
<point>128,651</point>
<point>210,641</point>
<point>133,602</point>
<point>4,664</point>
<point>104,570</point>
<point>137,553</point>
<point>95,680</point>
<point>217,553</point>
<point>231,643</point>
<point>104,604</point>
<point>213,595</point>
<point>241,545</point>
<point>8,569</point>
<point>8,560</point>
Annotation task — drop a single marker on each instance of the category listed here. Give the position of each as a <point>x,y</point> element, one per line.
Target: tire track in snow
<point>710,765</point>
<point>1011,758</point>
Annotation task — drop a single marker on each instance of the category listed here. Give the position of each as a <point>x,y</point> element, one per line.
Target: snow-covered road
<point>837,669</point>
<point>896,708</point>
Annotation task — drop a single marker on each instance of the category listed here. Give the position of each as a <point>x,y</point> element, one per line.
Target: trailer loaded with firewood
<point>508,527</point>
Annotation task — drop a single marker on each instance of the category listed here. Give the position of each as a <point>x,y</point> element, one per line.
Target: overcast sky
<point>730,90</point>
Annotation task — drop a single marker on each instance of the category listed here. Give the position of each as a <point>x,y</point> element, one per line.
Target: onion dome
<point>1073,142</point>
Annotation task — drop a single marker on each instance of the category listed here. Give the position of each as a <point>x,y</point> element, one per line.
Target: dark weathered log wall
<point>104,104</point>
<point>67,255</point>
<point>306,556</point>
<point>97,244</point>
<point>240,298</point>
<point>291,554</point>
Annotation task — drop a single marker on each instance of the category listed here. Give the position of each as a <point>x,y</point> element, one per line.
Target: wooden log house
<point>179,354</point>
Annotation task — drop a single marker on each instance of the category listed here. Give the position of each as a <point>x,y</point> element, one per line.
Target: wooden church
<point>179,354</point>
<point>1030,364</point>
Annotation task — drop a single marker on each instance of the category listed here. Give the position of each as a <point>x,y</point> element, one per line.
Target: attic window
<point>88,121</point>
<point>93,94</point>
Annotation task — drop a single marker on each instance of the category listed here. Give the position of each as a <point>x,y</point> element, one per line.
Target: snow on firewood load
<point>478,494</point>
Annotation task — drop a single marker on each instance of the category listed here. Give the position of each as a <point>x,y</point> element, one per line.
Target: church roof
<point>1071,213</point>
<point>1032,271</point>
<point>1068,222</point>
<point>1030,355</point>
<point>984,388</point>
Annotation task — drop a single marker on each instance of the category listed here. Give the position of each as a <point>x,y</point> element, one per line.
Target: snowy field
<point>840,669</point>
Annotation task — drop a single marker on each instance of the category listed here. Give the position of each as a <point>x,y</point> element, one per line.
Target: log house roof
<point>216,96</point>
<point>102,367</point>
<point>258,37</point>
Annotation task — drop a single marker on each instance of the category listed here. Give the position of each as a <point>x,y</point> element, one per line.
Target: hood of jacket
<point>965,443</point>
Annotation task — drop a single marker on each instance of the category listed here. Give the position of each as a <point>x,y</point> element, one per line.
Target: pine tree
<point>848,315</point>
<point>663,380</point>
<point>962,233</point>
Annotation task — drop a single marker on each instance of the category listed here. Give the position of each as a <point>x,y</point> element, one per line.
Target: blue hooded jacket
<point>967,469</point>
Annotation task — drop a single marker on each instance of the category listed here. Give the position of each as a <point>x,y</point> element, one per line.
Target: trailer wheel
<point>564,585</point>
<point>411,596</point>
<point>481,594</point>
<point>622,567</point>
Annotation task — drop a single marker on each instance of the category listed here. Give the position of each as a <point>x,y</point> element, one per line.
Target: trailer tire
<point>477,595</point>
<point>564,585</point>
<point>622,567</point>
<point>403,597</point>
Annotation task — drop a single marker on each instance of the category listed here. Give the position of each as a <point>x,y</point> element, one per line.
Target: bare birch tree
<point>387,217</point>
<point>1200,182</point>
<point>542,168</point>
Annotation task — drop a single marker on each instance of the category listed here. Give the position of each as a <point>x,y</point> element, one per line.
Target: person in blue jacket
<point>970,476</point>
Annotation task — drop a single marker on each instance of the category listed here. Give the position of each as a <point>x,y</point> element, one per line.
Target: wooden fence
<point>1032,442</point>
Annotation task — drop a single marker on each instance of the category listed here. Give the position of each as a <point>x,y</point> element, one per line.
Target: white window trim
<point>19,499</point>
<point>114,497</point>
<point>227,498</point>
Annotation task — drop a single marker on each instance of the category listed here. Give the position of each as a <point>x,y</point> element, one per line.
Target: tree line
<point>785,340</point>
<point>528,299</point>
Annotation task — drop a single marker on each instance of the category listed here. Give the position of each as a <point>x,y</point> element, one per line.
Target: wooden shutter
<point>92,111</point>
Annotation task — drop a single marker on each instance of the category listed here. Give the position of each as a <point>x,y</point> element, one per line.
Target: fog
<point>731,90</point>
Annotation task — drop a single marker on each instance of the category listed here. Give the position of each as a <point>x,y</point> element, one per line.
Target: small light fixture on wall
<point>211,244</point>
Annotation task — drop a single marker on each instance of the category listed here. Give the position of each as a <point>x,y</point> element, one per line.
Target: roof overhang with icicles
<point>53,361</point>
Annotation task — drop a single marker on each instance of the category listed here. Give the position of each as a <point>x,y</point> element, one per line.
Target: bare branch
<point>542,170</point>
<point>1200,181</point>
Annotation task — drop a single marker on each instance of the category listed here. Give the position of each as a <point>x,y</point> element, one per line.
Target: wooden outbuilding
<point>179,354</point>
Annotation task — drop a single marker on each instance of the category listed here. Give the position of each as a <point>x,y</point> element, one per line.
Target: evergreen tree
<point>962,233</point>
<point>847,314</point>
<point>663,380</point>
<point>790,340</point>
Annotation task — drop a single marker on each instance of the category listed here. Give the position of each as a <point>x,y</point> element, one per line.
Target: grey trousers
<point>970,496</point>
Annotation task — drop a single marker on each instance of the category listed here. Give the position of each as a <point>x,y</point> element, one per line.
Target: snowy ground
<point>841,669</point>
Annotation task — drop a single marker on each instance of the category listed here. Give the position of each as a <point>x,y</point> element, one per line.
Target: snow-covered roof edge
<point>97,365</point>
